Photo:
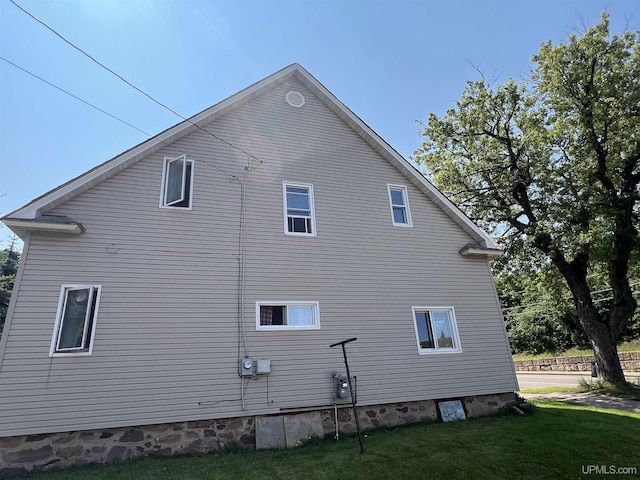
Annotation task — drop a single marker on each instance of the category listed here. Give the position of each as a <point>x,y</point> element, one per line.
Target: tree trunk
<point>602,340</point>
<point>608,361</point>
<point>597,327</point>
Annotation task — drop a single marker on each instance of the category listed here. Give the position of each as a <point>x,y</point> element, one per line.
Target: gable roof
<point>39,207</point>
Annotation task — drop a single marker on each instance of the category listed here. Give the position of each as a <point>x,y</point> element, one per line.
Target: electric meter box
<point>342,385</point>
<point>246,367</point>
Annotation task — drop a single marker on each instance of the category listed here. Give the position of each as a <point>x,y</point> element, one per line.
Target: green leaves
<point>550,166</point>
<point>9,259</point>
<point>551,155</point>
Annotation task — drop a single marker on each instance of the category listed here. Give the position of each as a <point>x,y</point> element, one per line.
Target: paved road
<point>590,399</point>
<point>540,380</point>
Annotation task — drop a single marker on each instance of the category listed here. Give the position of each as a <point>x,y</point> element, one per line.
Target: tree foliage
<point>551,166</point>
<point>538,312</point>
<point>9,259</point>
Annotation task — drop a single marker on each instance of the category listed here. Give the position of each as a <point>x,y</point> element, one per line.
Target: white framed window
<point>399,203</point>
<point>436,330</point>
<point>75,324</point>
<point>287,315</point>
<point>299,214</point>
<point>177,183</point>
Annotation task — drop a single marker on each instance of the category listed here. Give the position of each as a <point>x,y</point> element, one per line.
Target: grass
<point>552,390</point>
<point>554,442</point>
<point>631,391</point>
<point>631,346</point>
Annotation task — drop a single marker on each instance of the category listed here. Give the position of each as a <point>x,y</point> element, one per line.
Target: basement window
<point>436,330</point>
<point>74,329</point>
<point>177,183</point>
<point>287,315</point>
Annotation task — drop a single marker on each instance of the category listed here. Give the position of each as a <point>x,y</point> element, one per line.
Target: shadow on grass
<point>630,391</point>
<point>556,441</point>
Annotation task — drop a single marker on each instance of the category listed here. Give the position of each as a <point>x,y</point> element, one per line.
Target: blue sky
<point>392,62</point>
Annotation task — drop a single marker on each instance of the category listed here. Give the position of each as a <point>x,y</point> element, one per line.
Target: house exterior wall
<point>28,453</point>
<point>169,334</point>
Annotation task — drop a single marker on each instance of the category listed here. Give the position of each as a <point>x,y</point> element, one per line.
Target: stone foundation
<point>27,453</point>
<point>630,362</point>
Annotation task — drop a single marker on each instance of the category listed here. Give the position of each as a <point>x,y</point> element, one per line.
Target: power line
<point>170,145</point>
<point>74,96</point>
<point>550,309</point>
<point>567,297</point>
<point>128,82</point>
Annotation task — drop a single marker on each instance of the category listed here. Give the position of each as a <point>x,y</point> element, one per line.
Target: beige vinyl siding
<point>166,344</point>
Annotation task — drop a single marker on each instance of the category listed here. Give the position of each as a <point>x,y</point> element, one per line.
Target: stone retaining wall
<point>630,362</point>
<point>27,453</point>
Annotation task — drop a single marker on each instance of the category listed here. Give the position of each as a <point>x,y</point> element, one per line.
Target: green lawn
<point>554,442</point>
<point>632,346</point>
<point>630,391</point>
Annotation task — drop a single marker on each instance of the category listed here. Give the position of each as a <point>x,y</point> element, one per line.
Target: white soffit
<point>67,191</point>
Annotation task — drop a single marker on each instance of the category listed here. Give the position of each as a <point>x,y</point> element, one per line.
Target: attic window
<point>299,216</point>
<point>294,99</point>
<point>399,202</point>
<point>177,182</point>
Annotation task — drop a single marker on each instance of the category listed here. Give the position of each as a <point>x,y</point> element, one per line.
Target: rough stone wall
<point>630,362</point>
<point>370,417</point>
<point>395,414</point>
<point>26,453</point>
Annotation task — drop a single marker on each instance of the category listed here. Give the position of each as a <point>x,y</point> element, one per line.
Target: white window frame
<point>405,197</point>
<point>54,351</point>
<point>454,331</point>
<point>312,209</point>
<point>316,315</point>
<point>165,180</point>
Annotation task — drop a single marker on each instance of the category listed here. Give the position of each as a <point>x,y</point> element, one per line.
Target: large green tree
<point>9,259</point>
<point>550,164</point>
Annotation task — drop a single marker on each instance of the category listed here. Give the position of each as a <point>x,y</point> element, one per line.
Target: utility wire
<point>74,96</point>
<point>128,82</point>
<point>170,145</point>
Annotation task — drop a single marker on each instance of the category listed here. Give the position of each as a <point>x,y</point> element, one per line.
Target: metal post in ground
<point>353,401</point>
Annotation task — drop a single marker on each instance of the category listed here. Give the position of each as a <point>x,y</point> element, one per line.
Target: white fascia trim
<point>382,147</point>
<point>59,195</point>
<point>36,226</point>
<point>481,252</point>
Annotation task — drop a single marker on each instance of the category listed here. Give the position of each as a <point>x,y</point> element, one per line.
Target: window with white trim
<point>299,215</point>
<point>287,315</point>
<point>177,182</point>
<point>399,202</point>
<point>75,324</point>
<point>436,330</point>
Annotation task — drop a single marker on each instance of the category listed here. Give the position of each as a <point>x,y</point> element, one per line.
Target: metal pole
<point>353,401</point>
